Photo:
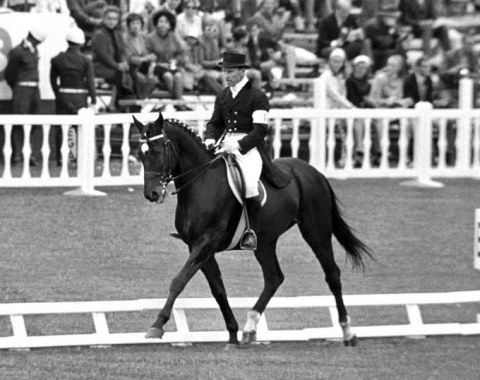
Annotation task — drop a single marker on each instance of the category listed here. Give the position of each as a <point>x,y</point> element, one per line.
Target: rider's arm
<point>257,135</point>
<point>216,125</point>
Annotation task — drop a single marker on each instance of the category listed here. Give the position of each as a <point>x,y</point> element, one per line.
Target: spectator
<point>141,62</point>
<point>51,6</point>
<point>340,29</point>
<point>388,92</point>
<point>240,38</point>
<point>210,50</point>
<point>72,80</point>
<point>293,7</point>
<point>334,78</point>
<point>194,72</point>
<point>20,5</point>
<point>385,35</point>
<point>109,56</point>
<point>170,6</point>
<point>21,74</point>
<point>189,19</point>
<point>88,15</point>
<point>415,13</point>
<point>358,89</point>
<point>168,49</point>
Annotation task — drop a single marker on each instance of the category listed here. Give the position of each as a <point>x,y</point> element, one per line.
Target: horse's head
<point>158,157</point>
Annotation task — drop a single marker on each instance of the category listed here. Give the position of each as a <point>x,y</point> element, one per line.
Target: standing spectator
<point>190,19</point>
<point>340,29</point>
<point>72,80</point>
<point>140,61</point>
<point>385,35</point>
<point>334,78</point>
<point>168,49</point>
<point>21,74</point>
<point>358,89</point>
<point>109,55</point>
<point>388,92</point>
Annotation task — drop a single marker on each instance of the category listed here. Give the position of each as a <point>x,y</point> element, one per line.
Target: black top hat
<point>169,16</point>
<point>233,60</point>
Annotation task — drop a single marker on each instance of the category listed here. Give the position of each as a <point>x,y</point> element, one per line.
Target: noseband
<point>165,175</point>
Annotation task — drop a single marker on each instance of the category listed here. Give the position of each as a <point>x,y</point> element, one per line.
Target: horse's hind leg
<point>214,277</point>
<point>320,240</point>
<point>273,278</point>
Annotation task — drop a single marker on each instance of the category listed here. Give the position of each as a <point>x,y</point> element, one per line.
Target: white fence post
<point>86,154</point>
<point>318,127</point>
<point>476,242</point>
<point>465,102</point>
<point>422,139</point>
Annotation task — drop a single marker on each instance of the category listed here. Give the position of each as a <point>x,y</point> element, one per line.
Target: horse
<point>207,216</point>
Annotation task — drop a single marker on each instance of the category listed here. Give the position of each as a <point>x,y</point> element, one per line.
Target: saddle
<point>235,181</point>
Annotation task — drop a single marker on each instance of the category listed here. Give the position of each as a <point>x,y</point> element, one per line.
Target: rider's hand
<point>230,146</point>
<point>209,143</point>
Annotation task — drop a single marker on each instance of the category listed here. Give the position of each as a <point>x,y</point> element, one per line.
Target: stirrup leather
<point>248,240</point>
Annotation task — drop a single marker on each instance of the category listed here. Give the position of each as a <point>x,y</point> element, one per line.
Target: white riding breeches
<point>250,163</point>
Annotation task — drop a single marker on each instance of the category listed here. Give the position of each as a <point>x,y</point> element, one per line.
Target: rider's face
<point>233,76</point>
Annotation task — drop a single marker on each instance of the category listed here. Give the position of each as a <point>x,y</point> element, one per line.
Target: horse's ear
<point>159,122</point>
<point>139,125</point>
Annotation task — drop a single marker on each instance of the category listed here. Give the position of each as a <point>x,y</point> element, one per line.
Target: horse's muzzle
<point>155,195</point>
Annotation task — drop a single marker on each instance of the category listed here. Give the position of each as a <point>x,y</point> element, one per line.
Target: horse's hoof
<point>248,337</point>
<point>154,333</point>
<point>230,346</point>
<point>352,342</point>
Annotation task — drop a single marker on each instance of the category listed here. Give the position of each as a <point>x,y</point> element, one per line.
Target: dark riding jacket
<point>235,115</point>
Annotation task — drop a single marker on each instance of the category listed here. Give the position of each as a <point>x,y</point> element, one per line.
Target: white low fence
<point>102,336</point>
<point>446,144</point>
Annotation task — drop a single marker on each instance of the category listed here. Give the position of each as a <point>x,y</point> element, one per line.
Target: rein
<point>166,176</point>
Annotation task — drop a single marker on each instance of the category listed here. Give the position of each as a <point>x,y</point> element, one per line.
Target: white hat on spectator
<point>338,52</point>
<point>38,33</point>
<point>76,36</point>
<point>362,59</point>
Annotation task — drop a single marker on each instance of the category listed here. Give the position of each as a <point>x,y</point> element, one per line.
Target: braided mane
<point>180,125</point>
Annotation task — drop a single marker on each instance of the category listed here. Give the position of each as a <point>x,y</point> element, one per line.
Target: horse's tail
<point>354,247</point>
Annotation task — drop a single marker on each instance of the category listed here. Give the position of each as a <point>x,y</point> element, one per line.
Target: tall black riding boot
<point>249,237</point>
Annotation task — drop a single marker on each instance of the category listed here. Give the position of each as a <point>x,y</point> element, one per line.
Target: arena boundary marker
<point>476,241</point>
<point>182,335</point>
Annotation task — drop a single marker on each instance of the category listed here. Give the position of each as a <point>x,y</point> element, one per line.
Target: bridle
<point>165,175</point>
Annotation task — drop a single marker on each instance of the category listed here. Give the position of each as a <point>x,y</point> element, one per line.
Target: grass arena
<point>58,248</point>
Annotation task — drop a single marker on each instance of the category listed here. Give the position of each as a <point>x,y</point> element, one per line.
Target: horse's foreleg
<point>198,256</point>
<point>273,278</point>
<point>214,277</point>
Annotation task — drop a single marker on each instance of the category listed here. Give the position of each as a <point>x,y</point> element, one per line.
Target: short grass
<point>58,248</point>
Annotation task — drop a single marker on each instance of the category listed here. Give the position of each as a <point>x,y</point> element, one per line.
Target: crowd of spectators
<point>363,48</point>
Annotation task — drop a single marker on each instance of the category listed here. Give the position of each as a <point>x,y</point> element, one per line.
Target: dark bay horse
<point>207,215</point>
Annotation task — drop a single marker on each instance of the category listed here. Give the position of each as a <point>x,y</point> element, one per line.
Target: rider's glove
<point>209,143</point>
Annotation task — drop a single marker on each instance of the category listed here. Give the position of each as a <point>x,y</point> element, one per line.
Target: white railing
<point>183,334</point>
<point>446,144</point>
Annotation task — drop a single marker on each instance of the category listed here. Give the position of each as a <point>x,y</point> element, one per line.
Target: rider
<point>240,123</point>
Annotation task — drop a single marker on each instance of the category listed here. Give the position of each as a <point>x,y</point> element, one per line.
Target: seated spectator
<point>239,44</point>
<point>385,35</point>
<point>109,59</point>
<point>210,50</point>
<point>334,78</point>
<point>168,49</point>
<point>388,92</point>
<point>296,14</point>
<point>414,13</point>
<point>271,20</point>
<point>88,15</point>
<point>51,6</point>
<point>340,29</point>
<point>358,90</point>
<point>20,5</point>
<point>170,6</point>
<point>141,62</point>
<point>189,19</point>
<point>194,72</point>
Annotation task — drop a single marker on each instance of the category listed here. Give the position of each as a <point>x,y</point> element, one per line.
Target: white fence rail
<point>446,143</point>
<point>183,334</point>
